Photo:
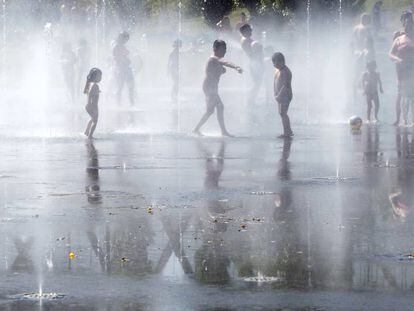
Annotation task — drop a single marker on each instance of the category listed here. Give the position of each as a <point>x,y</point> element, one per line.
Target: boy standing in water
<point>283,91</point>
<point>370,82</point>
<point>214,70</point>
<point>174,68</point>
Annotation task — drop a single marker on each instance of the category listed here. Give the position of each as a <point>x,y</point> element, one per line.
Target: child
<point>122,67</point>
<point>254,50</point>
<point>92,90</point>
<point>368,53</point>
<point>370,82</point>
<point>214,69</point>
<point>174,67</point>
<point>246,41</point>
<point>283,91</point>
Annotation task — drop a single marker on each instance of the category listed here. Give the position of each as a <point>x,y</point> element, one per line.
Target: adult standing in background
<point>402,53</point>
<point>254,50</point>
<point>360,38</point>
<point>407,23</point>
<point>376,16</point>
<point>122,68</point>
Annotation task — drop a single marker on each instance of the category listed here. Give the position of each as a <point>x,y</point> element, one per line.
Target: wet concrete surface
<point>174,222</point>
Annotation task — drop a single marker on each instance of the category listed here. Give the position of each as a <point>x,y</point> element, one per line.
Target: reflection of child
<point>400,210</point>
<point>214,70</point>
<point>371,80</point>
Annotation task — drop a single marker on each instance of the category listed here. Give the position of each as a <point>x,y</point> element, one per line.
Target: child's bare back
<point>283,85</point>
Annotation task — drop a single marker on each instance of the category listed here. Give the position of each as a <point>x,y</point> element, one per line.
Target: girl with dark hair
<point>214,70</point>
<point>92,90</point>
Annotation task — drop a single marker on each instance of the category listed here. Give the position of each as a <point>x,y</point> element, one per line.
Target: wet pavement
<point>174,222</point>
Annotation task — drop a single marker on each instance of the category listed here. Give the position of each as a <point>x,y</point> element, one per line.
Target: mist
<point>38,102</point>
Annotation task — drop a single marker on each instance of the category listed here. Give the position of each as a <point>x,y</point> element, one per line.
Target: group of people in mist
<point>401,53</point>
<point>215,68</point>
<point>365,74</point>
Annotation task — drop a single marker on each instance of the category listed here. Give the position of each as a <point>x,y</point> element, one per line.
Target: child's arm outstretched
<point>231,65</point>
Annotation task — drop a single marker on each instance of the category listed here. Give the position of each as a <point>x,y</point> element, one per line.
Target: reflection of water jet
<point>260,278</point>
<point>386,165</point>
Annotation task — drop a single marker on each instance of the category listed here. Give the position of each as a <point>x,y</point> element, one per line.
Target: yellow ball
<point>72,255</point>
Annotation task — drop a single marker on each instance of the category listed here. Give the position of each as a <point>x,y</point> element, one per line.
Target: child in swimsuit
<point>92,90</point>
<point>283,91</point>
<point>371,80</point>
<point>214,69</point>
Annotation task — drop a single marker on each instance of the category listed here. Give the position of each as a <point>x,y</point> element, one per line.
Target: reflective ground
<point>174,222</point>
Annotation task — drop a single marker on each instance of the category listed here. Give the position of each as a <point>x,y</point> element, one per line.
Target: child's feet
<point>226,134</point>
<point>197,133</point>
<point>288,135</point>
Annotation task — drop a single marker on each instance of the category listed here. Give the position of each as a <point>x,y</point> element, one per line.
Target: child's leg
<point>412,110</point>
<point>369,107</point>
<point>377,104</point>
<point>120,79</point>
<point>88,128</point>
<point>220,116</point>
<point>207,114</point>
<point>283,109</point>
<point>398,108</point>
<point>94,124</point>
<point>405,109</point>
<point>131,86</point>
<point>398,99</point>
<point>174,91</point>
